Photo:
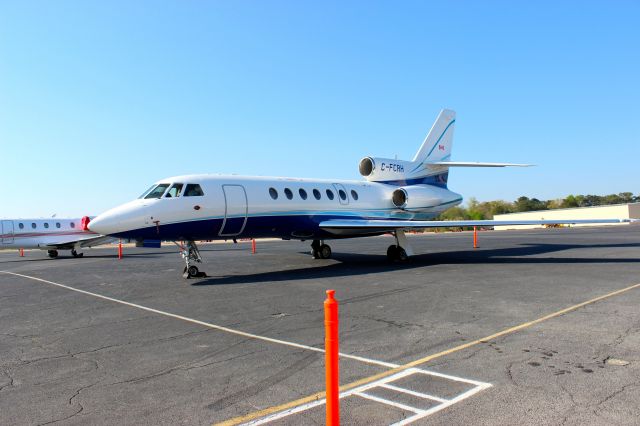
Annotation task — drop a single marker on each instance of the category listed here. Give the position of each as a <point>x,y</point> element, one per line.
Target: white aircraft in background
<point>396,196</point>
<point>49,234</point>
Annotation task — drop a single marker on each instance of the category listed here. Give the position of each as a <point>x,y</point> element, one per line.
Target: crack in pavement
<point>138,343</point>
<point>8,384</point>
<point>266,383</point>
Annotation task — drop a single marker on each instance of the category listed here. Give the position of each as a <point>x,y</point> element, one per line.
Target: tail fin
<point>438,143</point>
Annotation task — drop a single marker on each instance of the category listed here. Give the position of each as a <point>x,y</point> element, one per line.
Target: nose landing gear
<point>190,253</point>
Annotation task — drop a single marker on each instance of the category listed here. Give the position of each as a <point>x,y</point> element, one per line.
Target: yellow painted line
<point>318,395</point>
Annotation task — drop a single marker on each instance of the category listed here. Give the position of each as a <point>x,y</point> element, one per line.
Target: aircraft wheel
<point>391,253</point>
<point>397,254</point>
<point>325,252</point>
<point>401,255</point>
<point>52,253</point>
<point>193,272</point>
<point>76,254</point>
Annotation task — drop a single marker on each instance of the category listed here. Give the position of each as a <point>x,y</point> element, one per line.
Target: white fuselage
<point>239,206</point>
<point>42,233</point>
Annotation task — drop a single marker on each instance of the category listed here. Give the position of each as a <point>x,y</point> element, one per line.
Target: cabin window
<point>288,193</point>
<point>157,191</point>
<point>273,193</point>
<point>46,225</point>
<point>316,194</point>
<point>329,194</point>
<point>343,195</point>
<point>73,225</point>
<point>174,191</point>
<point>303,193</point>
<point>193,190</point>
<point>354,195</point>
<point>33,225</point>
<point>57,224</point>
<point>21,225</point>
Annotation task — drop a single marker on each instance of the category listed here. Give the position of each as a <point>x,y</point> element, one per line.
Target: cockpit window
<point>157,191</point>
<point>144,194</point>
<point>193,190</point>
<point>174,191</point>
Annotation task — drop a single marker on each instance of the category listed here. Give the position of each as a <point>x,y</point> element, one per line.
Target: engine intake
<point>367,165</point>
<point>399,198</point>
<point>421,197</point>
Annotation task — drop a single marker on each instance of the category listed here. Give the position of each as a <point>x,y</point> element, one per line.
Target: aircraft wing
<point>474,164</point>
<point>364,227</point>
<point>82,242</point>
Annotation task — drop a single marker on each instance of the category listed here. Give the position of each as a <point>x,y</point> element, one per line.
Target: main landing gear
<point>74,253</point>
<point>190,254</point>
<point>401,250</point>
<point>52,253</point>
<point>320,250</point>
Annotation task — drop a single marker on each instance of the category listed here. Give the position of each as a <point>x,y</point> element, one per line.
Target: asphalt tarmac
<point>99,340</point>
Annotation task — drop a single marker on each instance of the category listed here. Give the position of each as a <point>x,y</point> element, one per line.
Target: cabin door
<point>7,232</point>
<point>342,196</point>
<point>235,213</point>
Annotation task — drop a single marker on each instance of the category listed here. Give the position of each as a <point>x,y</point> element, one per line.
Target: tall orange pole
<point>253,246</point>
<point>21,252</point>
<point>120,249</point>
<point>475,237</point>
<point>331,358</point>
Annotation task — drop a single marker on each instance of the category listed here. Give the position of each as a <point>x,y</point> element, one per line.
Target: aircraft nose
<point>104,224</point>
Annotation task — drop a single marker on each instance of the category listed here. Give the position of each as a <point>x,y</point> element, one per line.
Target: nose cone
<point>104,224</point>
<point>127,217</point>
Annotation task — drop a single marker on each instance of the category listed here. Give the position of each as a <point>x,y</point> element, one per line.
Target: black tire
<point>401,255</point>
<point>325,252</point>
<point>193,271</point>
<point>392,253</point>
<point>52,253</point>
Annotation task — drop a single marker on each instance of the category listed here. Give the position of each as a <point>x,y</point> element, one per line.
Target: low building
<point>614,211</point>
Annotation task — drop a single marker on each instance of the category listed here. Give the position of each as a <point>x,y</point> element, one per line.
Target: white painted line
<point>360,391</point>
<point>444,405</point>
<point>309,405</point>
<point>392,403</point>
<point>410,392</point>
<point>203,323</point>
<point>446,376</point>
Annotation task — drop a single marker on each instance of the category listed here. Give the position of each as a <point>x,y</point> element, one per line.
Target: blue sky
<point>100,99</point>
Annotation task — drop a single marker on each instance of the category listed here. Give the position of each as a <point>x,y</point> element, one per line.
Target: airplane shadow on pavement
<point>349,264</point>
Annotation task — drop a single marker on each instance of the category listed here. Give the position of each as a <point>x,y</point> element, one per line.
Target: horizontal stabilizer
<point>341,226</point>
<point>474,164</point>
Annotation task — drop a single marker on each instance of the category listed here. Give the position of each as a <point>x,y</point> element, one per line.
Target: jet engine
<point>384,169</point>
<point>420,197</point>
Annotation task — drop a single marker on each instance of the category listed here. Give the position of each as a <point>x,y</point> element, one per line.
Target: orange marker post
<point>331,358</point>
<point>120,249</point>
<point>475,237</point>
<point>253,246</point>
<point>21,252</point>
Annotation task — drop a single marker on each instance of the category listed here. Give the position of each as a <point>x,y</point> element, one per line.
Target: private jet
<point>396,196</point>
<point>50,234</point>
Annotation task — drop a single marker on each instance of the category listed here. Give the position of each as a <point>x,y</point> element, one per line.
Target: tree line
<point>477,210</point>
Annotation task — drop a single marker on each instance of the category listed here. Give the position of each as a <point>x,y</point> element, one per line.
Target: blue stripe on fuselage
<point>285,226</point>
